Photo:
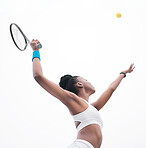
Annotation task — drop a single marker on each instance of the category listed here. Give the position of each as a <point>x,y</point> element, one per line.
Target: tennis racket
<point>19,38</point>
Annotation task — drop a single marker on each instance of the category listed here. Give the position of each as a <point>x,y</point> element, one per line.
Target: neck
<point>84,95</point>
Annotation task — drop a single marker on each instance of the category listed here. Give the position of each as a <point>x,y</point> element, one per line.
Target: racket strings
<point>18,38</point>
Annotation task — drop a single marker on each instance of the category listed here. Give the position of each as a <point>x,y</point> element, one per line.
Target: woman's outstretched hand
<point>130,69</point>
<point>34,44</point>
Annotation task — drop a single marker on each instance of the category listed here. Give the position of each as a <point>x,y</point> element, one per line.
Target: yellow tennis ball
<point>118,15</point>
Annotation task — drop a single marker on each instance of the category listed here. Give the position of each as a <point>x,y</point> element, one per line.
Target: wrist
<point>123,73</point>
<point>36,54</point>
<point>35,49</point>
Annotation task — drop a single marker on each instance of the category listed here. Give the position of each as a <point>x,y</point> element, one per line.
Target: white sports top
<point>89,116</point>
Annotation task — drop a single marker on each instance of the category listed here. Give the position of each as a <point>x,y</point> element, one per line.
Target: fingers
<point>131,68</point>
<point>35,41</point>
<point>34,44</point>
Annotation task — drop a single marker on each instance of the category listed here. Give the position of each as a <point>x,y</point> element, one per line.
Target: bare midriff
<point>91,133</point>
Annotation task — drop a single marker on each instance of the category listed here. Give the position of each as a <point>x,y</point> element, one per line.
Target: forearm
<point>37,68</point>
<point>112,87</point>
<point>116,83</point>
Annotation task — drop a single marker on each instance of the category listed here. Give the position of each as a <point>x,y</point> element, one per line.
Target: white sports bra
<point>89,116</point>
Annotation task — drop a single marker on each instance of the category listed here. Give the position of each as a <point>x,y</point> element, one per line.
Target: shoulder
<point>77,105</point>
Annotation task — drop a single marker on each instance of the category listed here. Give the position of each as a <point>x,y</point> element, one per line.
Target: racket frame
<point>25,38</point>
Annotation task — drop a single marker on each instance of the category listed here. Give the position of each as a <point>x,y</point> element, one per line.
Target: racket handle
<point>40,46</point>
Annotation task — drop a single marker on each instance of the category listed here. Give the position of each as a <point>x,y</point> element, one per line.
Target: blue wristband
<point>36,54</point>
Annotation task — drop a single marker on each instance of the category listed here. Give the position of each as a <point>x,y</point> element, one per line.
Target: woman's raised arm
<point>64,96</point>
<point>112,87</point>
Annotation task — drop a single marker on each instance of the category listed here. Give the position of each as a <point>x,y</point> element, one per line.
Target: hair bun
<point>63,80</point>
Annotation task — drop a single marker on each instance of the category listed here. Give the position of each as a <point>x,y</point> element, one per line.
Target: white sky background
<point>79,37</point>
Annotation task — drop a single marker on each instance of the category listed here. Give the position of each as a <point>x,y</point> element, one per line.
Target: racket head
<point>18,37</point>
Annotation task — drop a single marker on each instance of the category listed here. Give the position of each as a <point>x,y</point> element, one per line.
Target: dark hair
<point>68,82</point>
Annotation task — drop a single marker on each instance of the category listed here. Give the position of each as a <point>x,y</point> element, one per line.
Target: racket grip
<point>40,46</point>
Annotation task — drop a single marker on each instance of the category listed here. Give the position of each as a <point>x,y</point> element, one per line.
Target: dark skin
<point>91,133</point>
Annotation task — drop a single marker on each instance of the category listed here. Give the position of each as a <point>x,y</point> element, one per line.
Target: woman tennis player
<point>74,92</point>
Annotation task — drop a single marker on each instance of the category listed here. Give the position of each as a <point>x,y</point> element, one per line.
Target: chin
<point>93,91</point>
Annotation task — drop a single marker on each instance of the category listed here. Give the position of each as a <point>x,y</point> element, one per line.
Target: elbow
<point>37,77</point>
